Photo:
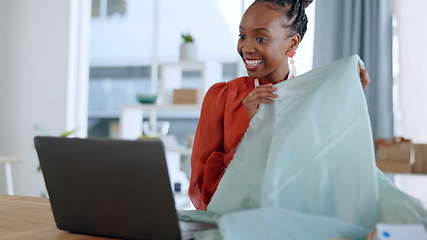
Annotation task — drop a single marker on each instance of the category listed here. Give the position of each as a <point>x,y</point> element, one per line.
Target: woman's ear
<point>295,40</point>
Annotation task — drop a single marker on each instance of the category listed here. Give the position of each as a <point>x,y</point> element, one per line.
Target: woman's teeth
<point>253,62</point>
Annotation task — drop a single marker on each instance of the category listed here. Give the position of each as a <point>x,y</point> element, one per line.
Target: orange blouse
<point>223,122</point>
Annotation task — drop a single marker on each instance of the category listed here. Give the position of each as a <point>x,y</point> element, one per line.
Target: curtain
<point>362,27</point>
<point>411,120</point>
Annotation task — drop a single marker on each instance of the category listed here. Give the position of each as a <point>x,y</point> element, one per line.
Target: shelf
<point>175,111</point>
<point>177,107</point>
<point>210,71</point>
<point>131,117</point>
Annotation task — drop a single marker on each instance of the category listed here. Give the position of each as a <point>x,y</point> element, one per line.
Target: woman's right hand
<point>261,94</point>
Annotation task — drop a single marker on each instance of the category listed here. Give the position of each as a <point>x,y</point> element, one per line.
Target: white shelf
<point>175,107</point>
<point>131,117</point>
<point>210,71</point>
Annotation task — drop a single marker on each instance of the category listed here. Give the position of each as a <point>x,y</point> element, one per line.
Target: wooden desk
<point>31,218</point>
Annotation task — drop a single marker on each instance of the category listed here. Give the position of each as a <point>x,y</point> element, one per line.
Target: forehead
<point>259,16</point>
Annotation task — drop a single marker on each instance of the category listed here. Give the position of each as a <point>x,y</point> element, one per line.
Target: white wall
<point>410,113</point>
<point>36,85</point>
<point>129,40</point>
<point>2,89</point>
<point>2,25</point>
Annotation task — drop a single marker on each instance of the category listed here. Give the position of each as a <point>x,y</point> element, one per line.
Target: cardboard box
<point>420,158</point>
<point>395,167</point>
<point>394,156</point>
<point>396,151</point>
<point>185,96</point>
<point>402,157</point>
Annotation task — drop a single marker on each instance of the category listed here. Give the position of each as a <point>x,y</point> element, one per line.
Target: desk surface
<point>31,218</point>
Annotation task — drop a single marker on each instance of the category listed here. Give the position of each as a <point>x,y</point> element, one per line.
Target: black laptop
<point>113,188</point>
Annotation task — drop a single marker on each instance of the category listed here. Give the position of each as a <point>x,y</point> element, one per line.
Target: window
<point>109,8</point>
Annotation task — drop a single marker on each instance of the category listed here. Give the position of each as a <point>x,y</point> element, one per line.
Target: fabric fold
<point>307,162</point>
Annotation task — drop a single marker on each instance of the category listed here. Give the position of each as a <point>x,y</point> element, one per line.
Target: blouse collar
<point>262,82</point>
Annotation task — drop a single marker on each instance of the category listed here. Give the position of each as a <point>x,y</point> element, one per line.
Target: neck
<point>288,76</point>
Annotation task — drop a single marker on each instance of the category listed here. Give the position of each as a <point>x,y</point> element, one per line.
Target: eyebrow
<point>256,29</point>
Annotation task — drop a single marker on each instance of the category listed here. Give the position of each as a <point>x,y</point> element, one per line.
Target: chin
<point>253,75</point>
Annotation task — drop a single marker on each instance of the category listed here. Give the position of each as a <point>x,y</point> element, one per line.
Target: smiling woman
<point>268,30</point>
<point>270,33</point>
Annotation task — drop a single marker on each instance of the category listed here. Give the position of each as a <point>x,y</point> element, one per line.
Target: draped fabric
<point>305,168</point>
<point>362,27</point>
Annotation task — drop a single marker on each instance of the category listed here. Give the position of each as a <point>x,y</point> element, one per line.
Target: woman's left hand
<point>364,77</point>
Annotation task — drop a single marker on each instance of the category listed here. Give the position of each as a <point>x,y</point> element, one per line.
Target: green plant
<point>187,38</point>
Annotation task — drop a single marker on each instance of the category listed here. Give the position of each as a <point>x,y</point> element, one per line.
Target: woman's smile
<point>252,64</point>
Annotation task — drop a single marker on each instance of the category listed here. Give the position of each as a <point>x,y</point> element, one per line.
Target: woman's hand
<point>364,77</point>
<point>261,94</point>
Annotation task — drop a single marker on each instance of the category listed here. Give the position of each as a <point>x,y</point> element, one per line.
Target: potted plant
<point>188,49</point>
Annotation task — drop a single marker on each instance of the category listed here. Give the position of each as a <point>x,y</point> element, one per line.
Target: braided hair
<point>294,10</point>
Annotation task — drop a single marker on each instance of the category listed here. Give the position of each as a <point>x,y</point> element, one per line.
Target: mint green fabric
<point>397,207</point>
<point>305,168</point>
<point>197,216</point>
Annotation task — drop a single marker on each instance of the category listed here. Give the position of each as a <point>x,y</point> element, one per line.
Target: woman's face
<point>263,43</point>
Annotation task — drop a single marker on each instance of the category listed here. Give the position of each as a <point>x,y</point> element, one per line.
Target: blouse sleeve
<point>208,159</point>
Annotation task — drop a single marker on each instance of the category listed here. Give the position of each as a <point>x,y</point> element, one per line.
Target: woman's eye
<point>241,36</point>
<point>261,40</point>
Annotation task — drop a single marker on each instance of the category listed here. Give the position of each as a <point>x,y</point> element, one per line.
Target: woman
<point>270,32</point>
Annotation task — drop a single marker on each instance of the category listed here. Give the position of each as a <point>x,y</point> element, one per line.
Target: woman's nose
<point>248,48</point>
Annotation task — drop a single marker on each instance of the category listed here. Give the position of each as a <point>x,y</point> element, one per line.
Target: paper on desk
<point>401,232</point>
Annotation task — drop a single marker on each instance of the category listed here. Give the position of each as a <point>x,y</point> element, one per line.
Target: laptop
<point>110,187</point>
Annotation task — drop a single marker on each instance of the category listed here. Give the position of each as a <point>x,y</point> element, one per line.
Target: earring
<point>293,71</point>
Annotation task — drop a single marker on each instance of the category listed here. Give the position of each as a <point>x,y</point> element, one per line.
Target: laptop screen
<point>109,187</point>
